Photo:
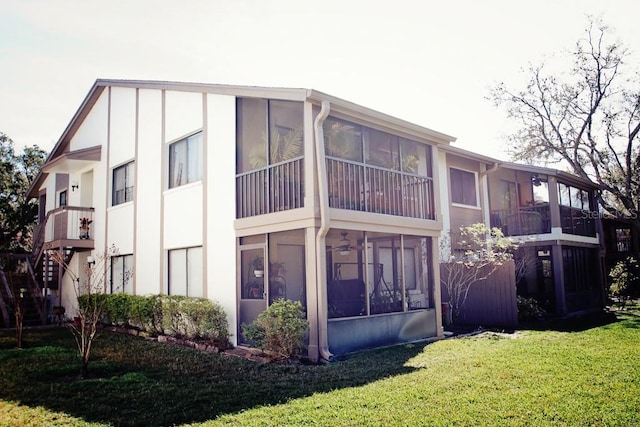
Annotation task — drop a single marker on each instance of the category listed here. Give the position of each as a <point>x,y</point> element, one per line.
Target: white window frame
<point>187,179</point>
<point>66,198</point>
<point>129,183</point>
<point>475,186</point>
<point>190,273</point>
<point>124,284</point>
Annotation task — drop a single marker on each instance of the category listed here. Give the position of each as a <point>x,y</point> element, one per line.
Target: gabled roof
<point>338,105</point>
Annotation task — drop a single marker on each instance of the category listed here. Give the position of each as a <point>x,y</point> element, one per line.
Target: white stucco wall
<point>149,185</point>
<point>183,216</point>
<point>220,213</point>
<point>120,226</point>
<point>93,130</point>
<point>123,126</point>
<point>183,114</point>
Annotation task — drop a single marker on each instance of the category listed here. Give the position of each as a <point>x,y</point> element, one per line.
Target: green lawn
<point>588,376</point>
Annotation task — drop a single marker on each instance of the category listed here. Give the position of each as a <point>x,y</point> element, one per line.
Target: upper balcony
<point>530,220</point>
<point>367,170</point>
<point>64,227</point>
<point>359,187</point>
<point>353,186</point>
<point>528,202</point>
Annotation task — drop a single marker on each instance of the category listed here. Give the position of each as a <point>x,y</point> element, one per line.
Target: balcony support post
<point>554,204</point>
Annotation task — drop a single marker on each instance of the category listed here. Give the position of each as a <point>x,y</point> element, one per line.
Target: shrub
<point>529,309</point>
<point>142,313</point>
<point>117,309</point>
<point>623,276</point>
<point>175,315</point>
<point>279,330</point>
<point>201,318</point>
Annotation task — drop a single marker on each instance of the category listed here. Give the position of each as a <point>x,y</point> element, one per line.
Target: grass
<point>588,374</point>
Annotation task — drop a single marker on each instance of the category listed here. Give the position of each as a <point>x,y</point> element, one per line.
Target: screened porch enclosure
<point>521,205</point>
<point>371,273</point>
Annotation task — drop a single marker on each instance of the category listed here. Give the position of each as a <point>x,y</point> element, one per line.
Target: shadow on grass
<point>139,382</point>
<point>573,323</point>
<point>579,323</point>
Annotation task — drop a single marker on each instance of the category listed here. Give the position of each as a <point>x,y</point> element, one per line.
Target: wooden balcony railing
<point>365,188</point>
<point>69,223</point>
<point>62,224</point>
<point>270,189</point>
<point>523,221</point>
<point>577,221</point>
<point>351,185</point>
<point>537,220</point>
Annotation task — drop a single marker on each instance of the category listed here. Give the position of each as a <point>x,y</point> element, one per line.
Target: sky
<point>428,62</point>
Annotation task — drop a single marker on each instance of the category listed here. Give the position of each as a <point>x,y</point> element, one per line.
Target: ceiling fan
<point>344,246</point>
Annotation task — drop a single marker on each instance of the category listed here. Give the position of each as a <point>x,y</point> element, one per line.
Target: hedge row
<point>173,315</point>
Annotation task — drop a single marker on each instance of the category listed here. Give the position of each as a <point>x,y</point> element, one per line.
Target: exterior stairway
<point>34,275</point>
<point>18,285</point>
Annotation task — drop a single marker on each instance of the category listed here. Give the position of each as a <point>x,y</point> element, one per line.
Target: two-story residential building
<point>552,216</point>
<point>248,194</point>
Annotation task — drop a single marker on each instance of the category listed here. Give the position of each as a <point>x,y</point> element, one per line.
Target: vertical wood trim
<point>134,277</point>
<point>108,193</point>
<point>554,202</point>
<point>163,285</point>
<point>558,279</point>
<point>437,298</point>
<point>205,186</point>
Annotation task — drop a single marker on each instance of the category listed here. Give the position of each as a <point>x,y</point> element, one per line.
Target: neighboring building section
<point>551,214</point>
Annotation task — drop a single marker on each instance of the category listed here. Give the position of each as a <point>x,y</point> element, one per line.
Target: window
<point>185,272</point>
<point>623,239</point>
<point>573,197</point>
<point>121,273</point>
<point>509,195</point>
<point>342,140</point>
<point>415,158</point>
<point>268,132</point>
<point>185,161</point>
<point>351,141</point>
<point>123,180</point>
<point>382,149</point>
<point>463,187</point>
<point>62,198</point>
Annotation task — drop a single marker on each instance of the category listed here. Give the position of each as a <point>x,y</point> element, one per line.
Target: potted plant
<point>84,227</point>
<point>58,312</point>
<point>258,266</point>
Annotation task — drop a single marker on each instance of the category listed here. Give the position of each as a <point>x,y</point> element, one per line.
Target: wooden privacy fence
<point>491,302</point>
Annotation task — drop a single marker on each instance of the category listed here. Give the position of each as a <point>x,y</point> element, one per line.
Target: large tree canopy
<point>18,214</point>
<point>586,118</point>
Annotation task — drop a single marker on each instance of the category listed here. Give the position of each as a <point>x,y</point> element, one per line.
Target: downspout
<point>493,168</point>
<point>321,260</point>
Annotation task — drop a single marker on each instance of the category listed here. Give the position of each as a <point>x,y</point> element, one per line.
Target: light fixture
<point>344,245</point>
<point>75,186</point>
<point>535,180</point>
<point>91,261</point>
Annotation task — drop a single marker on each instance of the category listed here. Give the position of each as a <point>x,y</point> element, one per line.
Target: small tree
<point>469,258</point>
<point>623,275</point>
<point>91,301</point>
<point>17,305</point>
